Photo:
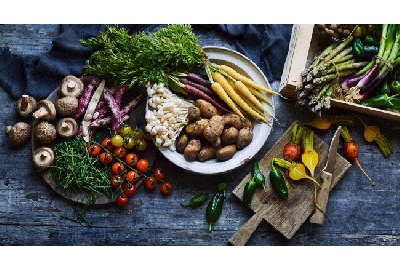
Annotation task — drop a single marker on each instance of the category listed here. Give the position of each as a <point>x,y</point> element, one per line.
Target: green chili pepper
<point>214,209</point>
<point>358,47</point>
<point>197,200</point>
<point>384,88</point>
<point>378,101</point>
<point>395,103</point>
<point>395,86</point>
<point>222,186</point>
<point>249,190</point>
<point>370,51</point>
<point>278,182</point>
<point>371,40</point>
<point>258,176</point>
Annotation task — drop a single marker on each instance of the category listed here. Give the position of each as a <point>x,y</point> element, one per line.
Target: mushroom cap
<point>45,132</point>
<point>25,106</point>
<point>67,128</point>
<point>43,157</point>
<point>45,110</point>
<point>71,86</point>
<point>19,133</point>
<point>66,106</point>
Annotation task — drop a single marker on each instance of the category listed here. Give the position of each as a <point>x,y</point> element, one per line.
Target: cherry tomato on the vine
<point>106,157</point>
<point>159,173</point>
<point>118,168</point>
<point>141,145</point>
<point>142,165</point>
<point>131,160</point>
<point>129,190</point>
<point>117,141</point>
<point>125,130</point>
<point>94,150</point>
<point>132,177</point>
<point>107,144</point>
<point>129,142</point>
<point>150,183</point>
<point>120,152</point>
<point>122,200</point>
<point>166,188</point>
<point>116,181</point>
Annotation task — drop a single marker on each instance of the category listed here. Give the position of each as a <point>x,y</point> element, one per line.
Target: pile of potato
<point>210,134</point>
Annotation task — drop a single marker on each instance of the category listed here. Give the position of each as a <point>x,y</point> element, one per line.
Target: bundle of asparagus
<point>321,80</point>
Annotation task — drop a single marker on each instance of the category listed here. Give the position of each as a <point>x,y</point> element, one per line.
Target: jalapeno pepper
<point>258,176</point>
<point>395,86</point>
<point>384,88</point>
<point>278,182</point>
<point>222,186</point>
<point>371,40</point>
<point>197,200</point>
<point>358,47</point>
<point>249,190</point>
<point>214,208</point>
<point>378,101</point>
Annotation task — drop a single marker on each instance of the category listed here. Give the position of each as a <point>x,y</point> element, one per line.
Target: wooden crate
<point>303,46</point>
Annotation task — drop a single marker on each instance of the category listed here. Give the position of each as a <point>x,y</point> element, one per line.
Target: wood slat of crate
<point>287,215</point>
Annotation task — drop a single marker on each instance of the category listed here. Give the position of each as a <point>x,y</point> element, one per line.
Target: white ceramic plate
<point>261,131</point>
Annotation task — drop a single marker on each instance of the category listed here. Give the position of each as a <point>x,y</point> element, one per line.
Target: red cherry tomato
<point>107,144</point>
<point>129,191</point>
<point>94,150</point>
<point>131,160</point>
<point>166,188</point>
<point>118,168</point>
<point>116,181</point>
<point>122,201</point>
<point>132,177</point>
<point>142,165</point>
<point>159,173</point>
<point>105,158</point>
<point>120,152</point>
<point>150,183</point>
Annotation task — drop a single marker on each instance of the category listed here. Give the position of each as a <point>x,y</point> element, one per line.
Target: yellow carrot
<point>245,99</point>
<point>246,92</point>
<point>219,90</point>
<point>259,95</point>
<point>218,77</point>
<point>237,76</point>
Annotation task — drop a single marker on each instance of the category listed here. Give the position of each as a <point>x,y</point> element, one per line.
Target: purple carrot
<point>198,79</point>
<point>206,90</point>
<point>196,92</point>
<point>125,111</point>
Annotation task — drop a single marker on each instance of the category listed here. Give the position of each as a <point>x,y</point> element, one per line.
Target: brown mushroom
<point>67,106</point>
<point>45,132</point>
<point>19,133</point>
<point>45,110</point>
<point>26,105</point>
<point>67,128</point>
<point>43,157</point>
<point>71,86</point>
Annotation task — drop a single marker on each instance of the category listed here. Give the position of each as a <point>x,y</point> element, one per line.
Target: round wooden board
<point>83,197</point>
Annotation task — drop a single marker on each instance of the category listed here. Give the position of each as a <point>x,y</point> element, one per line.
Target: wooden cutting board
<point>286,215</point>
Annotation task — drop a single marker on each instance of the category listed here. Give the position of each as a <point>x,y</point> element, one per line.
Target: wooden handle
<point>322,199</point>
<point>241,237</point>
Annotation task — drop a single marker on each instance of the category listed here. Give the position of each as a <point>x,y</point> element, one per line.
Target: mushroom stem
<point>39,113</point>
<point>43,155</point>
<point>65,126</point>
<point>24,102</point>
<point>71,85</point>
<point>8,129</point>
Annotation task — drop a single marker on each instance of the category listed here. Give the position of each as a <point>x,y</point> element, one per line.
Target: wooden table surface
<point>358,214</point>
